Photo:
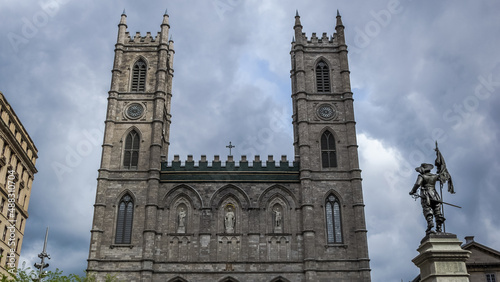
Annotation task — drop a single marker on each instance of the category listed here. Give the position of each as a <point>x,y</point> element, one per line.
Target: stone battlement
<point>217,171</point>
<point>216,163</point>
<point>141,39</point>
<point>323,39</point>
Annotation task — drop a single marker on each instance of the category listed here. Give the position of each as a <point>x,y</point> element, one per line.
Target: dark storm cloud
<point>419,71</point>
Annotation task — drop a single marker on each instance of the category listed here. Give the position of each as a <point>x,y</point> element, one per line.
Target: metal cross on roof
<point>230,146</point>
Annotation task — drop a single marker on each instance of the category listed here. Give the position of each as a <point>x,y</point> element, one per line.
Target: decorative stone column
<point>442,259</point>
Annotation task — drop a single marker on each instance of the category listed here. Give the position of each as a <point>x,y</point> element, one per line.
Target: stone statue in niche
<point>278,220</point>
<point>229,220</point>
<point>181,217</point>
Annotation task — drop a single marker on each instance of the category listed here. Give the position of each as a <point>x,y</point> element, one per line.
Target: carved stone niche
<point>181,212</point>
<point>181,216</point>
<point>278,216</point>
<point>229,217</point>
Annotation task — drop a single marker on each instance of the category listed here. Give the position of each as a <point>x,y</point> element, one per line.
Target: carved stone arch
<point>335,193</point>
<point>324,59</point>
<point>230,190</point>
<point>183,190</point>
<point>124,135</point>
<point>140,57</point>
<point>228,279</point>
<point>180,214</point>
<point>123,193</point>
<point>277,190</point>
<point>332,131</point>
<point>177,279</point>
<point>280,279</point>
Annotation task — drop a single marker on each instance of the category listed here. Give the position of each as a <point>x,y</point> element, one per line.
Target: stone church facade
<point>212,220</point>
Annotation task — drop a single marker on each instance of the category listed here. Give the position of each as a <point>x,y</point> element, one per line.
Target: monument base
<point>442,259</point>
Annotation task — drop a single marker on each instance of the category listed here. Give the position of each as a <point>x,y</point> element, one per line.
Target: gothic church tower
<point>136,139</point>
<point>325,145</point>
<point>246,220</point>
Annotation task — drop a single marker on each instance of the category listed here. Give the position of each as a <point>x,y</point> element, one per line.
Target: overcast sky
<point>420,72</point>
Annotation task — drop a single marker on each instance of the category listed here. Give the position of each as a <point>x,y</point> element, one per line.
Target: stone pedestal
<point>441,259</point>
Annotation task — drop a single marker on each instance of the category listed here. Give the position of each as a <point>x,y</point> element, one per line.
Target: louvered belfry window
<point>131,154</point>
<point>322,77</point>
<point>333,220</point>
<point>139,76</point>
<point>124,220</point>
<point>328,152</point>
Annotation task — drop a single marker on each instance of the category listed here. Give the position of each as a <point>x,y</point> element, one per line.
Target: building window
<point>328,152</point>
<point>2,203</point>
<point>333,220</point>
<point>124,220</point>
<point>131,154</point>
<point>490,277</point>
<point>322,77</point>
<point>4,233</point>
<point>139,76</point>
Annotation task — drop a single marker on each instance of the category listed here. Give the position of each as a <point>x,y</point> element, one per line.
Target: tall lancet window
<point>322,77</point>
<point>328,152</point>
<point>124,220</point>
<point>139,76</point>
<point>131,153</point>
<point>333,222</point>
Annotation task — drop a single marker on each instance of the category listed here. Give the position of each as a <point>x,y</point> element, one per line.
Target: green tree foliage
<point>26,274</point>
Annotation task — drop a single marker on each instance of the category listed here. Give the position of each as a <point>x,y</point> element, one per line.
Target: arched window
<point>328,152</point>
<point>139,76</point>
<point>322,77</point>
<point>124,220</point>
<point>131,153</point>
<point>333,220</point>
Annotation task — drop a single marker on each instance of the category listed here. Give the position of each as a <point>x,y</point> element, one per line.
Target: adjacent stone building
<point>269,219</point>
<point>483,263</point>
<point>18,156</point>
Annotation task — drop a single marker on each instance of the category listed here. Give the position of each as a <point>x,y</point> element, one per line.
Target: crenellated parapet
<point>324,39</point>
<point>229,171</point>
<point>137,38</point>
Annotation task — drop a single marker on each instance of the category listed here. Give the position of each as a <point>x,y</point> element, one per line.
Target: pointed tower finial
<point>123,19</point>
<point>339,20</point>
<point>166,12</point>
<point>297,28</point>
<point>293,39</point>
<point>171,38</point>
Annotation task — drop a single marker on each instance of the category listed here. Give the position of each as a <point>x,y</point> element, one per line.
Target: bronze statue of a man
<point>430,200</point>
